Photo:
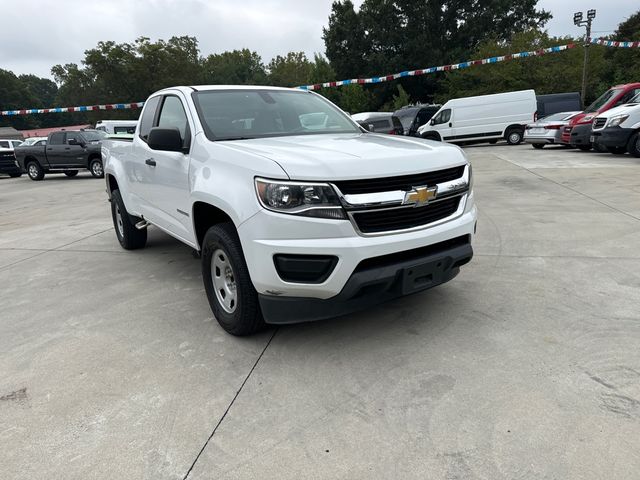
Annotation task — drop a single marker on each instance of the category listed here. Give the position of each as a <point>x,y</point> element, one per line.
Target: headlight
<point>617,120</point>
<point>298,198</point>
<point>470,177</point>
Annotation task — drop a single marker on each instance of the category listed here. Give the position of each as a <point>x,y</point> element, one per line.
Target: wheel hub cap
<point>224,281</point>
<point>119,221</point>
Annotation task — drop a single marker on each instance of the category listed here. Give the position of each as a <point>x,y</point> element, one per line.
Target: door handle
<point>450,124</point>
<point>67,148</point>
<point>150,161</point>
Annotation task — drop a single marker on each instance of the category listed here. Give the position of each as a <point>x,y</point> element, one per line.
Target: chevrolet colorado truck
<point>294,220</point>
<point>65,152</point>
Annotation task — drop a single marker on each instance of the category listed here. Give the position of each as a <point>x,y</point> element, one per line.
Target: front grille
<point>405,182</point>
<point>599,123</point>
<point>7,158</point>
<point>388,219</point>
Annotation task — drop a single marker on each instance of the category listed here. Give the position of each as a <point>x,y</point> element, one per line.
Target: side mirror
<point>167,139</point>
<point>432,121</point>
<point>75,141</point>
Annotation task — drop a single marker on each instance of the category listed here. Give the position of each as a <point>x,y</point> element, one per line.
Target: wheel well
<point>431,136</point>
<point>28,160</point>
<point>515,126</point>
<point>94,156</point>
<point>205,216</point>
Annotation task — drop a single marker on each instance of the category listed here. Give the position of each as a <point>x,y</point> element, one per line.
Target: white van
<point>117,126</point>
<point>483,118</point>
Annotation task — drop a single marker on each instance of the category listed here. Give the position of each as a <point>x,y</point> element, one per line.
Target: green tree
<point>292,70</point>
<point>624,62</point>
<point>237,67</point>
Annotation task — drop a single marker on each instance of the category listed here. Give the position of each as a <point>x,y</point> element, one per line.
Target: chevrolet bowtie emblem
<point>419,196</point>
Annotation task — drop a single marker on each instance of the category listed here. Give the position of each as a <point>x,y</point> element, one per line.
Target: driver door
<point>443,124</point>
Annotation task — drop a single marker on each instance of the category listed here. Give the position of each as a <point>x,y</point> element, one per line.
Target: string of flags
<point>357,81</point>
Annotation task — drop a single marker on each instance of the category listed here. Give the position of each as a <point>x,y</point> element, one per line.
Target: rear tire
<point>633,147</point>
<point>35,171</point>
<point>538,146</point>
<point>71,173</point>
<point>95,166</point>
<point>514,136</point>
<point>128,235</point>
<point>231,295</point>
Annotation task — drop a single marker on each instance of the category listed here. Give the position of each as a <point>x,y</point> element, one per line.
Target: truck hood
<point>351,156</point>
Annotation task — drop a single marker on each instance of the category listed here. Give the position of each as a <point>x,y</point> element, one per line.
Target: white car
<point>34,141</point>
<point>115,127</point>
<point>294,219</point>
<point>485,118</point>
<point>547,130</point>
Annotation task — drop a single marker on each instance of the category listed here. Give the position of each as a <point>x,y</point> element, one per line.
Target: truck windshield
<point>247,114</point>
<point>602,100</point>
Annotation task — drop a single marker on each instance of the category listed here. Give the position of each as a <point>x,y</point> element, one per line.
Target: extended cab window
<point>56,138</point>
<point>173,115</point>
<point>148,116</point>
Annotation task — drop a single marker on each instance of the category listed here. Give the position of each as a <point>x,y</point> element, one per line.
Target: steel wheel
<point>119,223</point>
<point>33,170</point>
<point>224,281</point>
<point>514,138</point>
<point>96,169</point>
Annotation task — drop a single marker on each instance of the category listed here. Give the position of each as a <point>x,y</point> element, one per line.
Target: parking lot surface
<point>526,366</point>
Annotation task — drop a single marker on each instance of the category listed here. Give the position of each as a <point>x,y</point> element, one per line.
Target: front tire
<point>231,295</point>
<point>95,167</point>
<point>128,235</point>
<point>633,147</point>
<point>71,173</point>
<point>35,171</point>
<point>514,136</point>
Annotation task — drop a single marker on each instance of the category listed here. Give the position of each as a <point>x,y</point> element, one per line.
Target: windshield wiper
<point>223,139</point>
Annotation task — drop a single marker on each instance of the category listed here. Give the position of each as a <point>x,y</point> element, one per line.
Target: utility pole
<point>579,22</point>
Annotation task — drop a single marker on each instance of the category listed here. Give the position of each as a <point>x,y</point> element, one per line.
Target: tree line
<point>382,36</point>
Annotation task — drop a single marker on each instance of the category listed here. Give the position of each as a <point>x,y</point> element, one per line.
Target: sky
<point>59,32</point>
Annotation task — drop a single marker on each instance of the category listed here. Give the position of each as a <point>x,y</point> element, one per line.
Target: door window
<point>148,117</point>
<point>443,117</point>
<point>626,98</point>
<point>16,143</point>
<point>173,115</point>
<point>4,144</point>
<point>56,138</point>
<point>73,136</point>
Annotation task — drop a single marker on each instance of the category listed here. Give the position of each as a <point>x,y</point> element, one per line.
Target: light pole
<point>579,22</point>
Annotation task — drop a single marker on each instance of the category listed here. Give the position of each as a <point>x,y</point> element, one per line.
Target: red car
<point>578,132</point>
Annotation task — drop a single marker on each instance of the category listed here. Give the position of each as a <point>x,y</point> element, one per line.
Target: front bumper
<point>267,234</point>
<point>581,134</point>
<point>8,165</point>
<point>612,136</point>
<point>374,281</point>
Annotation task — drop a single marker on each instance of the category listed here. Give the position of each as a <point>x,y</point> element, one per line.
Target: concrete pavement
<point>525,366</point>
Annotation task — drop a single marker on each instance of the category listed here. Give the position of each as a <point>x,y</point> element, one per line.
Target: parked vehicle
<point>483,118</point>
<point>547,130</point>
<point>292,223</point>
<point>34,141</point>
<point>379,122</point>
<point>117,126</point>
<point>558,103</point>
<point>8,164</point>
<point>618,129</point>
<point>578,132</point>
<point>413,117</point>
<point>10,144</point>
<point>64,152</point>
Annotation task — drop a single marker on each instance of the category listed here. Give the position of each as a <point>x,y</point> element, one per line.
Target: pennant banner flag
<point>442,68</point>
<point>87,108</point>
<point>612,43</point>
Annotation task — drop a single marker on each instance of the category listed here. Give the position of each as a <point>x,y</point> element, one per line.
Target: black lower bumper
<point>8,165</point>
<point>374,281</point>
<point>613,136</point>
<point>581,134</point>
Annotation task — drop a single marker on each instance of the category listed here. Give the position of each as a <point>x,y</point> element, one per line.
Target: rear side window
<point>173,115</point>
<point>149,115</point>
<point>56,138</point>
<point>4,144</point>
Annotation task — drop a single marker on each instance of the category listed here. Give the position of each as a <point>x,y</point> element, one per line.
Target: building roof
<point>10,133</point>
<point>43,132</point>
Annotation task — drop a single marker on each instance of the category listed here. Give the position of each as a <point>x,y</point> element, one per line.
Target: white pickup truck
<point>295,218</point>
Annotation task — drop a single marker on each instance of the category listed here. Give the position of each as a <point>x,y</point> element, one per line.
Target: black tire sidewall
<point>132,238</point>
<point>634,145</point>
<point>40,174</point>
<point>246,318</point>
<point>511,132</point>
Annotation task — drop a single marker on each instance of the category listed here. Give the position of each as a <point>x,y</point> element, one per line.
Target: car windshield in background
<point>94,136</point>
<point>604,98</point>
<point>246,114</point>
